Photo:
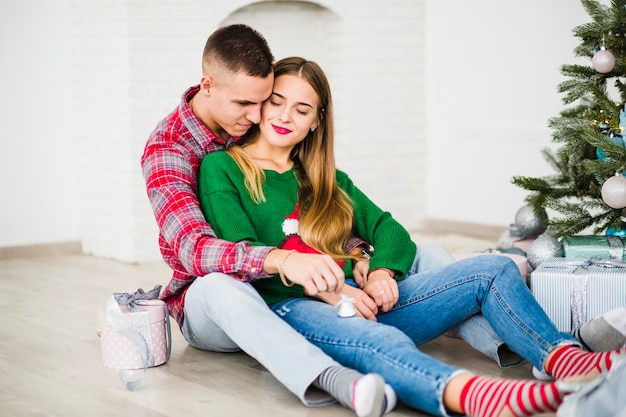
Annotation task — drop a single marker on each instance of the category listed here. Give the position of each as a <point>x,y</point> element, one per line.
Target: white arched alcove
<point>131,64</point>
<point>376,87</point>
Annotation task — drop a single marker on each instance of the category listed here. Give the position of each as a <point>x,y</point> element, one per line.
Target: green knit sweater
<point>227,206</point>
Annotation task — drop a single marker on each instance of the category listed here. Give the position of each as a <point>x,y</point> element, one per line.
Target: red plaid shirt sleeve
<point>170,165</point>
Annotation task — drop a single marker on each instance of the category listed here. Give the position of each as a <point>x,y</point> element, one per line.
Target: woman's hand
<point>359,271</point>
<point>317,273</point>
<point>365,306</point>
<point>382,288</point>
<point>360,266</point>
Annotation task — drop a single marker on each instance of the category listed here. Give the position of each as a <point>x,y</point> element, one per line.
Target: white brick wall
<point>489,84</point>
<point>133,59</point>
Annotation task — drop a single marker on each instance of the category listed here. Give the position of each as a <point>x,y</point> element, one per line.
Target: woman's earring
<point>312,129</point>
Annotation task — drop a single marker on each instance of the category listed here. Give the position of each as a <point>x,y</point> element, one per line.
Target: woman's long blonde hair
<point>326,212</point>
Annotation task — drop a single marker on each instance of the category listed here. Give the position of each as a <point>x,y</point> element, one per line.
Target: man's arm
<point>171,183</point>
<point>223,199</point>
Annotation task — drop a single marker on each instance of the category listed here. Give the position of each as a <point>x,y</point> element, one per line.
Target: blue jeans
<point>430,304</point>
<point>476,330</point>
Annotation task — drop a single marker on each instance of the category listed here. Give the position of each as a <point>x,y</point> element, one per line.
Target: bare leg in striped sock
<point>479,396</point>
<point>568,361</point>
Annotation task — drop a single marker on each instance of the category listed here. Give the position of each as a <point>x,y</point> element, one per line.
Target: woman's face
<point>290,112</point>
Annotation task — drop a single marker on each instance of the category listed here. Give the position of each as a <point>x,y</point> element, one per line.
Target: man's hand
<point>315,272</point>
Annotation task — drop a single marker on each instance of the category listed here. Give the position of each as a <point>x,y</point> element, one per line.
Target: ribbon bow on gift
<point>135,299</point>
<point>584,263</point>
<point>139,334</point>
<point>580,276</point>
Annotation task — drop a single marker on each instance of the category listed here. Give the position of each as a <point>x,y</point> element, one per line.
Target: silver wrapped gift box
<point>574,291</point>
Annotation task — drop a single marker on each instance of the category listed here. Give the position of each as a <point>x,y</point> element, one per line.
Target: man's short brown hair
<point>238,48</point>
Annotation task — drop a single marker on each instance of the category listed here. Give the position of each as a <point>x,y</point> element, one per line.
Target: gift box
<point>511,238</point>
<point>523,244</point>
<point>573,291</point>
<point>589,246</point>
<point>134,331</point>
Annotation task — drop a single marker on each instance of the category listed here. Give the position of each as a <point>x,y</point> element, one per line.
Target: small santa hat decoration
<point>291,225</point>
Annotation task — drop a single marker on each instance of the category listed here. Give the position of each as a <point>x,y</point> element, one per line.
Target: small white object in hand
<point>346,306</point>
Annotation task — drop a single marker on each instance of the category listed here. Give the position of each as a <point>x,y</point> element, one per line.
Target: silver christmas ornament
<point>528,224</point>
<point>614,191</point>
<point>603,61</point>
<point>545,246</point>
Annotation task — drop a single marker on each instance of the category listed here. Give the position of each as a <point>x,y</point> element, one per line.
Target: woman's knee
<point>491,264</point>
<point>504,267</point>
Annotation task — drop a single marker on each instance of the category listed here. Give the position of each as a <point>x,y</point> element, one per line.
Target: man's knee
<point>432,256</point>
<point>218,287</point>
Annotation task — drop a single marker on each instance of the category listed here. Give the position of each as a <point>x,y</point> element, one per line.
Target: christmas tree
<point>588,190</point>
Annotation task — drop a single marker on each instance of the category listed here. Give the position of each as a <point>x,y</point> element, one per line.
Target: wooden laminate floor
<point>50,362</point>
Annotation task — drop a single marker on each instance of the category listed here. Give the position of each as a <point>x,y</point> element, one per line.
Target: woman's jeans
<point>475,330</point>
<point>430,304</point>
<point>225,315</point>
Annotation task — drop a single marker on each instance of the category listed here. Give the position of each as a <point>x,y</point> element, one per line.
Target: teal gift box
<point>594,246</point>
<point>574,291</point>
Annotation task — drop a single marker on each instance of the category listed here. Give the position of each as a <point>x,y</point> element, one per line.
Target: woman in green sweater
<point>281,188</point>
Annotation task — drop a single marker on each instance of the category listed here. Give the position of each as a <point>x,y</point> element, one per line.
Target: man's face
<point>234,104</point>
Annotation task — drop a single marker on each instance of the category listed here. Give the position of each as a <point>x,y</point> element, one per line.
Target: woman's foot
<point>495,397</point>
<point>569,361</point>
<point>602,334</point>
<point>602,397</point>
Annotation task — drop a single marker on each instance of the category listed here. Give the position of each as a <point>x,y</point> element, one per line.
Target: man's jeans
<point>225,315</point>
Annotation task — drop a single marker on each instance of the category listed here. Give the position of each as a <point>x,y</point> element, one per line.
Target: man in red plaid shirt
<point>209,294</point>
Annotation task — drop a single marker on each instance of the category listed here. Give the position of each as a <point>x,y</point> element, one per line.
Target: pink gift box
<point>149,322</point>
<point>523,244</point>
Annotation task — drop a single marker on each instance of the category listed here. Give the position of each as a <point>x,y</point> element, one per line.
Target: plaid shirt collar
<point>202,134</point>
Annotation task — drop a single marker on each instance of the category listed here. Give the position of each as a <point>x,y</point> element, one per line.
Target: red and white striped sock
<point>488,397</point>
<point>568,361</point>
